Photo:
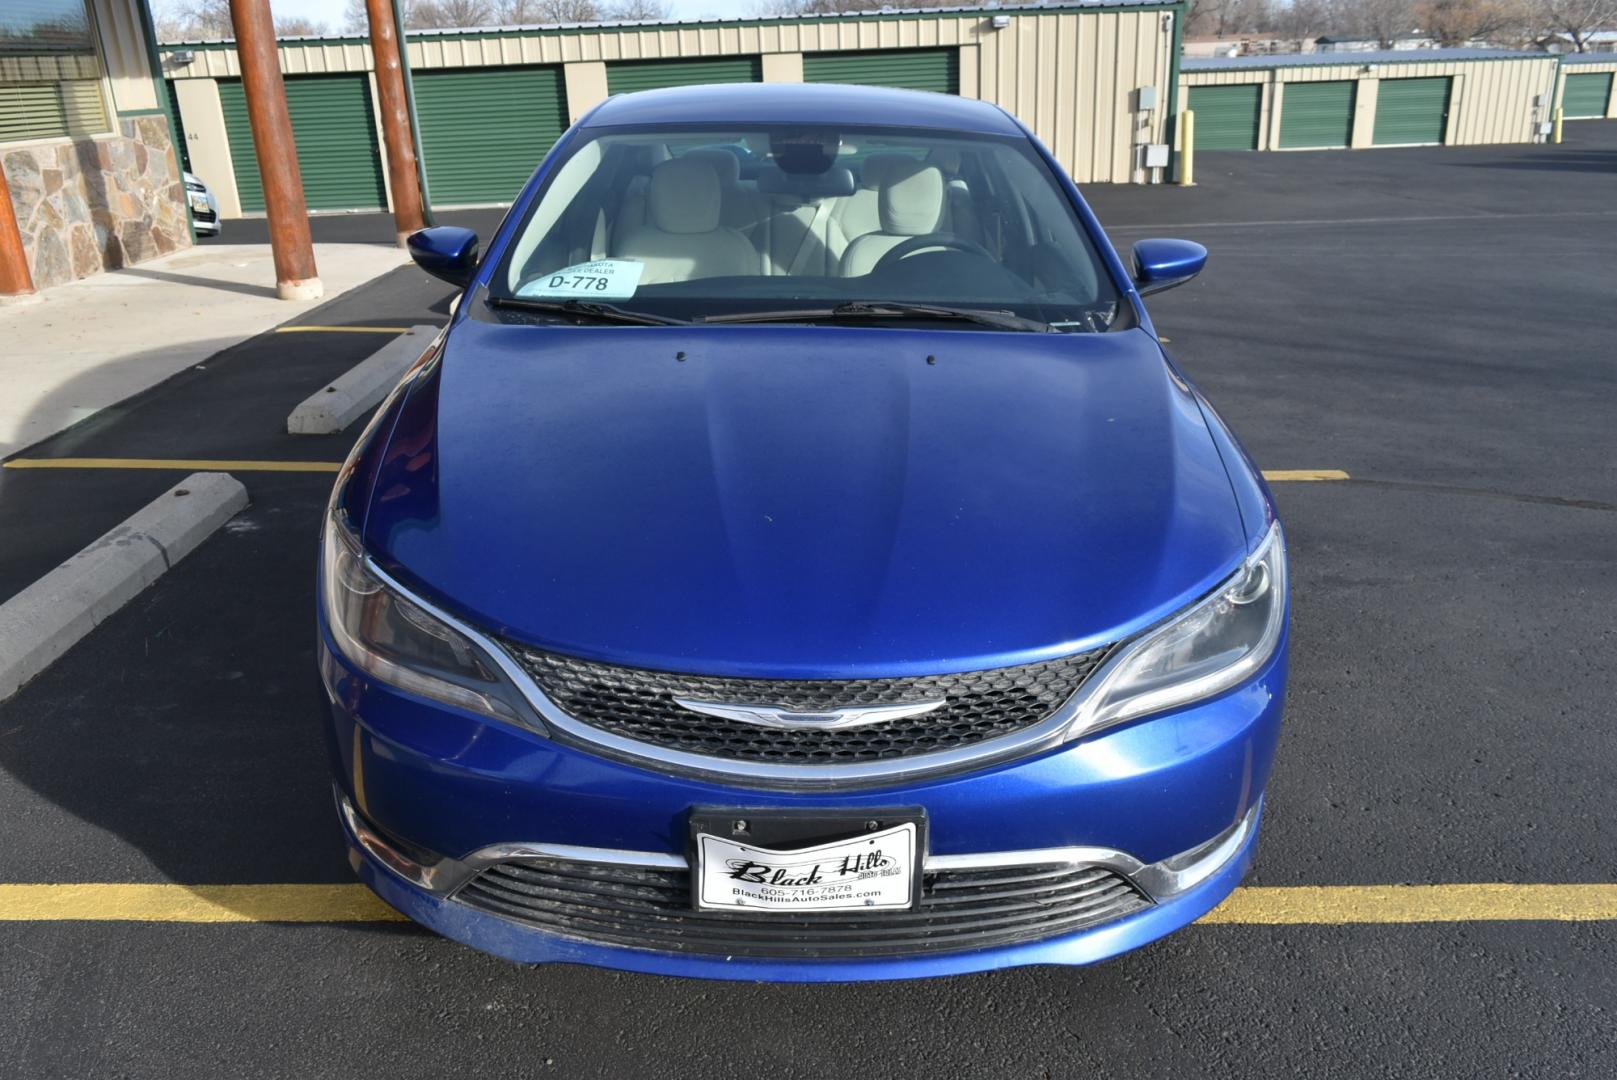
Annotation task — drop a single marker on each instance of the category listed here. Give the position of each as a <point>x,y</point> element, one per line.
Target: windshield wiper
<point>858,309</point>
<point>592,309</point>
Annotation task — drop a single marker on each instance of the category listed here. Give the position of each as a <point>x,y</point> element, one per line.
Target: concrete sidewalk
<point>81,347</point>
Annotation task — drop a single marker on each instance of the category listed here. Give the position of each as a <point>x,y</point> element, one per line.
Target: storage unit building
<point>491,102</point>
<point>1460,97</point>
<point>1589,86</point>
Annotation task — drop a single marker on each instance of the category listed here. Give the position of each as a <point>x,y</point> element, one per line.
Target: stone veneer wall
<point>86,205</point>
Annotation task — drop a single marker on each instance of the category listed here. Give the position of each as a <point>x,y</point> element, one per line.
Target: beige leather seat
<point>857,214</point>
<point>803,240</point>
<point>683,236</point>
<point>910,202</point>
<point>739,207</point>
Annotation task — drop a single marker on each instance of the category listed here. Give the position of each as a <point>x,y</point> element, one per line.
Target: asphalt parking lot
<point>1437,323</point>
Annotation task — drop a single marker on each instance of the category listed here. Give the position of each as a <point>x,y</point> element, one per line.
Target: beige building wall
<point>123,49</point>
<point>1072,76</point>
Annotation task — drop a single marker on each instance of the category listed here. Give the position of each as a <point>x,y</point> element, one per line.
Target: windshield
<point>816,222</point>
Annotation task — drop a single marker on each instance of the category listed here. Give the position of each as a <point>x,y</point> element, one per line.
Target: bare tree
<point>196,20</point>
<point>638,10</point>
<point>417,14</point>
<point>1383,20</point>
<point>298,26</point>
<point>1454,22</point>
<point>1577,19</point>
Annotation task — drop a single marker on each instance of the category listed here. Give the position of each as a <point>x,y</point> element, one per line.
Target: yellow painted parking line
<point>342,329</point>
<point>1302,905</point>
<point>187,464</point>
<point>1305,474</point>
<point>192,903</point>
<point>1323,905</point>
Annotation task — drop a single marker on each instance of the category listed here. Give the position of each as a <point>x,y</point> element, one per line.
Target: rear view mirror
<point>445,251</point>
<point>1162,264</point>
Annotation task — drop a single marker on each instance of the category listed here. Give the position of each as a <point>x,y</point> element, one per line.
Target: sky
<point>330,11</point>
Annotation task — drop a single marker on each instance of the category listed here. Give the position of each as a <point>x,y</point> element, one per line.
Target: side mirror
<point>445,251</point>
<point>1162,264</point>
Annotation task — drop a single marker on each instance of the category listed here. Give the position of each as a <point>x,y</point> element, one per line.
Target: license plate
<point>873,871</point>
<point>200,203</point>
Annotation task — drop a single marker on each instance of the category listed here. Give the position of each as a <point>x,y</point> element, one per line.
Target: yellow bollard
<point>1556,137</point>
<point>1187,149</point>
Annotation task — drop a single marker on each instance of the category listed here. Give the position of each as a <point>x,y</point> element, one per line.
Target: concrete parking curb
<point>49,617</point>
<point>357,390</point>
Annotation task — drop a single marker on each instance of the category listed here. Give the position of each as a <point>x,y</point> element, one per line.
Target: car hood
<point>805,502</point>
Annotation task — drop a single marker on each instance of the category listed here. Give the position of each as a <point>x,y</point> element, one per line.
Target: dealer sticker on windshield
<point>603,279</point>
<point>875,870</point>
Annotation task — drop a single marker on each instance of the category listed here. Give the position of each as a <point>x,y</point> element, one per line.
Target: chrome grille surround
<point>641,707</point>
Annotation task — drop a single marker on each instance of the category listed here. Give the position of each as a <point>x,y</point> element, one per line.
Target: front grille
<point>639,704</point>
<point>636,907</point>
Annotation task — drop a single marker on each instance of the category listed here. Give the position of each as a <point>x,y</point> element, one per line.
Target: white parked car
<point>204,207</point>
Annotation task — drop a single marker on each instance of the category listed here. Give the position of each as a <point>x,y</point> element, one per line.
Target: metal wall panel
<point>1226,116</point>
<point>626,77</point>
<point>332,128</point>
<point>1412,111</point>
<point>1317,114</point>
<point>484,130</point>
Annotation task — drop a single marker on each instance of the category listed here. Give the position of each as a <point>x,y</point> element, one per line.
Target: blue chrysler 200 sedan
<point>798,560</point>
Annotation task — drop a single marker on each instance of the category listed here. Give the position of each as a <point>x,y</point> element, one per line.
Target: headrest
<point>910,201</point>
<point>684,196</point>
<point>946,158</point>
<point>877,166</point>
<point>726,164</point>
<point>834,183</point>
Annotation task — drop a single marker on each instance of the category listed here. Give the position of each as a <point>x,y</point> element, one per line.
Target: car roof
<point>802,103</point>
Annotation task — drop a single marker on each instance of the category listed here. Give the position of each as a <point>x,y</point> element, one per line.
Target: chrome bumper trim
<point>1159,881</point>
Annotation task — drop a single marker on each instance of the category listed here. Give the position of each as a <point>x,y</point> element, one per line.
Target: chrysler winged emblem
<point>826,720</point>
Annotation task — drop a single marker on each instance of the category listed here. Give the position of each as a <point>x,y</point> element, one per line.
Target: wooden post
<point>404,181</point>
<point>15,280</point>
<point>295,275</point>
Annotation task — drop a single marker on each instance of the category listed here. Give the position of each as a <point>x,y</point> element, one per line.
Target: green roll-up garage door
<point>629,76</point>
<point>1226,116</point>
<point>1316,114</point>
<point>1411,111</point>
<point>484,130</point>
<point>179,126</point>
<point>335,137</point>
<point>907,69</point>
<point>1586,95</point>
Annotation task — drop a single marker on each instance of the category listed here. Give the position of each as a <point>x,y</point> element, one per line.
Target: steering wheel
<point>931,240</point>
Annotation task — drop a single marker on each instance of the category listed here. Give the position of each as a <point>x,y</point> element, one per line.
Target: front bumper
<point>437,782</point>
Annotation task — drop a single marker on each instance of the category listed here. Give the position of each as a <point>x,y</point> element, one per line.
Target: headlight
<point>1206,649</point>
<point>396,641</point>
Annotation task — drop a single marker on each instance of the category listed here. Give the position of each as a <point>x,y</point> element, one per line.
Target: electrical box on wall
<point>1148,97</point>
<point>1156,155</point>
